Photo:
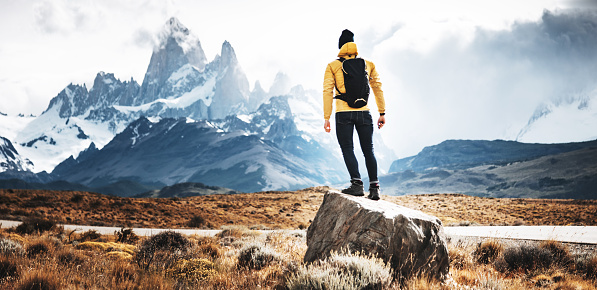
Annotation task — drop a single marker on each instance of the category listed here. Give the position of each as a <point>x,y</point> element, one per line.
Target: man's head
<point>347,36</point>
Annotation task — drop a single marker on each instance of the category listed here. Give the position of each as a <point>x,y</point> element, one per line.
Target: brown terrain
<point>273,210</point>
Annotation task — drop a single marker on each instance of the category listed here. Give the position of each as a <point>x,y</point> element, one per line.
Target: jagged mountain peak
<point>257,87</point>
<point>10,158</point>
<point>175,30</point>
<point>227,55</point>
<point>281,85</point>
<point>175,25</point>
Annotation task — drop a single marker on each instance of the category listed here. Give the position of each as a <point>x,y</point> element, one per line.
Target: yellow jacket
<point>335,78</point>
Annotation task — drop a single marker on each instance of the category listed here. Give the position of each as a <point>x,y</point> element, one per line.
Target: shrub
<point>459,258</point>
<point>257,256</point>
<point>77,198</point>
<point>191,270</point>
<point>587,266</point>
<point>90,235</point>
<point>209,248</point>
<point>343,271</point>
<point>39,281</point>
<point>38,248</point>
<point>487,251</point>
<point>196,221</point>
<point>8,269</point>
<point>235,232</point>
<point>106,247</point>
<point>10,247</point>
<point>33,225</point>
<point>69,257</point>
<point>560,253</point>
<point>126,236</point>
<point>526,258</point>
<point>165,247</point>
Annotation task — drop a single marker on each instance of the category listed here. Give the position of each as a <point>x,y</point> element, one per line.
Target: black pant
<point>345,124</point>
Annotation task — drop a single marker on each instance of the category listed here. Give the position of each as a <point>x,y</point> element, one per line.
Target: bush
<point>209,248</point>
<point>10,247</point>
<point>459,258</point>
<point>70,257</point>
<point>488,251</point>
<point>196,222</point>
<point>90,235</point>
<point>35,225</point>
<point>40,281</point>
<point>256,256</point>
<point>77,198</point>
<point>8,269</point>
<point>560,253</point>
<point>165,247</point>
<point>37,249</point>
<point>526,258</point>
<point>346,271</point>
<point>191,270</point>
<point>235,232</point>
<point>587,266</point>
<point>126,236</point>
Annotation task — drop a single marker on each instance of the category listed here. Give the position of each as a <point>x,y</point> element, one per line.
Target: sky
<point>464,69</point>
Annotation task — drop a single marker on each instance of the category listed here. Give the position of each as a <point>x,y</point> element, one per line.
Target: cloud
<point>64,16</point>
<point>489,86</point>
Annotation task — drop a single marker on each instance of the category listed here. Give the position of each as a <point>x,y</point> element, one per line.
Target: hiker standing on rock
<point>351,77</point>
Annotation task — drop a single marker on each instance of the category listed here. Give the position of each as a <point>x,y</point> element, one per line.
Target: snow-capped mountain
<point>225,135</point>
<point>10,158</point>
<point>552,121</point>
<point>183,150</point>
<point>179,83</point>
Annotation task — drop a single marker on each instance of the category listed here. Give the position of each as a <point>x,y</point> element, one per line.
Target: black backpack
<point>356,82</point>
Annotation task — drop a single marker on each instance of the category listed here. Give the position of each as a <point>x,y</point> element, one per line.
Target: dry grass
<point>255,260</point>
<point>459,209</point>
<point>242,258</point>
<point>275,210</point>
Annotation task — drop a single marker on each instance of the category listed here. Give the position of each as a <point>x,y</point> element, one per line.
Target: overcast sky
<point>464,69</point>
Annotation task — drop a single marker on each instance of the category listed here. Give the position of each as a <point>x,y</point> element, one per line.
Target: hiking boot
<point>355,189</point>
<point>374,192</point>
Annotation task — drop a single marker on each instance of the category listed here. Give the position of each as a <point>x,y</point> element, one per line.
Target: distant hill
<point>462,154</point>
<point>498,169</point>
<point>124,188</point>
<point>187,189</point>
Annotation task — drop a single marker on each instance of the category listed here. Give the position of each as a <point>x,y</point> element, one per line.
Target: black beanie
<point>347,36</point>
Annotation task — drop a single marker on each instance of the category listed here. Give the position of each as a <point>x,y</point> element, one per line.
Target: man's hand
<point>326,126</point>
<point>381,121</point>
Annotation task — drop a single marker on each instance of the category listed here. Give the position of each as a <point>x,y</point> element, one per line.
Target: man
<point>348,118</point>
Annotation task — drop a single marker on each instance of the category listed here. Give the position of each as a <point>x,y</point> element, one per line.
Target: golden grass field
<point>241,258</point>
<point>277,209</point>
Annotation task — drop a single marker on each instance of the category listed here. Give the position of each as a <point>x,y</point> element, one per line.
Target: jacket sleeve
<point>328,92</point>
<point>375,85</point>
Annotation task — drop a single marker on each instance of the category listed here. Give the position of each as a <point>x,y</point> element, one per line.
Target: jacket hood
<point>348,49</point>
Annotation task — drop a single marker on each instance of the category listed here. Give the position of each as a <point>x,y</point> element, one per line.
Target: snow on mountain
<point>199,151</point>
<point>552,122</point>
<point>177,48</point>
<point>179,83</point>
<point>251,140</point>
<point>256,97</point>
<point>10,125</point>
<point>281,85</point>
<point>10,158</point>
<point>231,92</point>
<point>49,139</point>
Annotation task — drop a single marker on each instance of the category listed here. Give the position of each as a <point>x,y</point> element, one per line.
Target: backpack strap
<point>339,95</point>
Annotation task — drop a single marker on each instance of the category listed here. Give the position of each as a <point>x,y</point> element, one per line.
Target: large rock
<point>413,242</point>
